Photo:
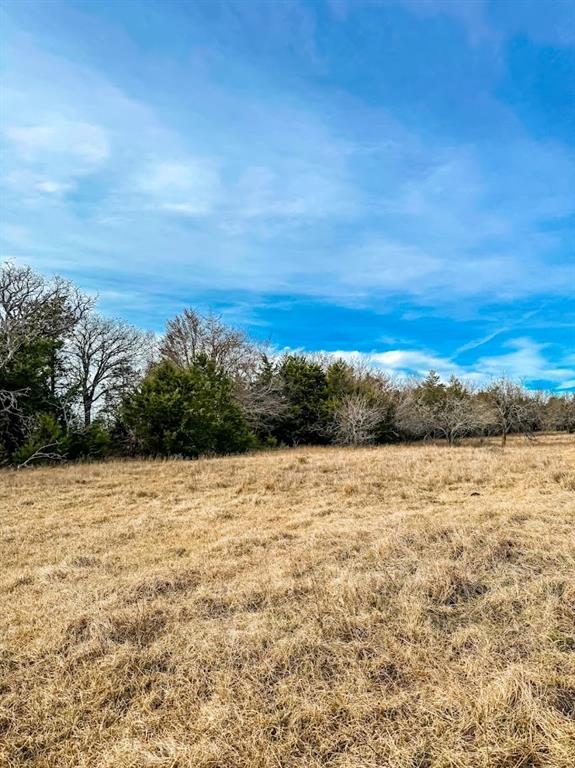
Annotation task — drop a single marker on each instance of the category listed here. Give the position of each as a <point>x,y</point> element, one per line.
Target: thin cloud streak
<point>490,336</point>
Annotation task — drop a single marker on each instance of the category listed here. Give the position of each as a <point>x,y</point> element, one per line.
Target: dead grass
<point>408,607</point>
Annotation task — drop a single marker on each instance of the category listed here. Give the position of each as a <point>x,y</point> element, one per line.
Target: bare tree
<point>452,414</point>
<point>190,334</point>
<point>262,402</point>
<point>104,357</point>
<point>356,419</point>
<point>559,413</point>
<point>458,417</point>
<point>25,303</point>
<point>32,307</point>
<point>511,408</point>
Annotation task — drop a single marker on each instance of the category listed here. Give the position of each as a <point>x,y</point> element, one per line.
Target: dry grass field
<point>407,607</point>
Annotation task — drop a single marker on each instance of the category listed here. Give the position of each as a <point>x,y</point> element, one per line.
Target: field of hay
<point>400,607</point>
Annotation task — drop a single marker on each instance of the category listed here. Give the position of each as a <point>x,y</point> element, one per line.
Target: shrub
<point>93,442</point>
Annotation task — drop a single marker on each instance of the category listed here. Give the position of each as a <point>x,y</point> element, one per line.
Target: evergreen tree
<point>305,392</point>
<point>188,412</point>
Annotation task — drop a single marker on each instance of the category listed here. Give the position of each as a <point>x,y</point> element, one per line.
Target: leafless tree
<point>356,419</point>
<point>559,413</point>
<point>459,417</point>
<point>258,390</point>
<point>511,408</point>
<point>261,401</point>
<point>9,400</point>
<point>104,357</point>
<point>32,307</point>
<point>452,417</point>
<point>191,334</point>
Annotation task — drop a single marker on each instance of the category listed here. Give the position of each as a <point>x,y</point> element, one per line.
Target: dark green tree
<point>189,412</point>
<point>431,391</point>
<point>305,392</point>
<point>342,380</point>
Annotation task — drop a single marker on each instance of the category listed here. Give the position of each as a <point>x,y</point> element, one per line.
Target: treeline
<point>75,384</point>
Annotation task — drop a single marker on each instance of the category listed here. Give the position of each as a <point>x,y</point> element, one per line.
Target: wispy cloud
<point>49,158</point>
<point>475,343</point>
<point>63,138</point>
<point>438,223</point>
<point>527,360</point>
<point>191,188</point>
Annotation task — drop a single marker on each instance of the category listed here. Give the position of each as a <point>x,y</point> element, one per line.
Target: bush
<point>94,442</point>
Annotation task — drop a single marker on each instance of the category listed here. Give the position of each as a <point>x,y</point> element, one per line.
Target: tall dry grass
<point>409,607</point>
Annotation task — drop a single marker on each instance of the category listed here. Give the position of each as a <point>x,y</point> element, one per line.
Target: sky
<point>392,180</point>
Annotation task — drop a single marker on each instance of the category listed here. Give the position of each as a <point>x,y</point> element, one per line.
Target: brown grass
<point>409,607</point>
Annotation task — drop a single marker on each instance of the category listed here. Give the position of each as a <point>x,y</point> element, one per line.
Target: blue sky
<point>386,178</point>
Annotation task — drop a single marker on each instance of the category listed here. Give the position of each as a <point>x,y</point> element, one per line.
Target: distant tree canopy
<point>75,384</point>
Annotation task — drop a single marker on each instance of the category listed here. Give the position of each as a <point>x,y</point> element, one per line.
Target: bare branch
<point>42,454</point>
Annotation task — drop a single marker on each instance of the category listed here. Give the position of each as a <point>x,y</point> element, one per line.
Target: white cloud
<point>475,343</point>
<point>48,159</point>
<point>386,264</point>
<point>526,362</point>
<point>84,141</point>
<point>406,362</point>
<point>52,187</point>
<point>29,183</point>
<point>191,188</point>
<point>293,190</point>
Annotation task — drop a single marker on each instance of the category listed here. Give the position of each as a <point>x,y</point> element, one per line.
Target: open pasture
<point>402,607</point>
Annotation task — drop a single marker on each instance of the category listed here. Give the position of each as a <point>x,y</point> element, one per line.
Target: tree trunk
<point>87,412</point>
<point>504,438</point>
<point>53,372</point>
